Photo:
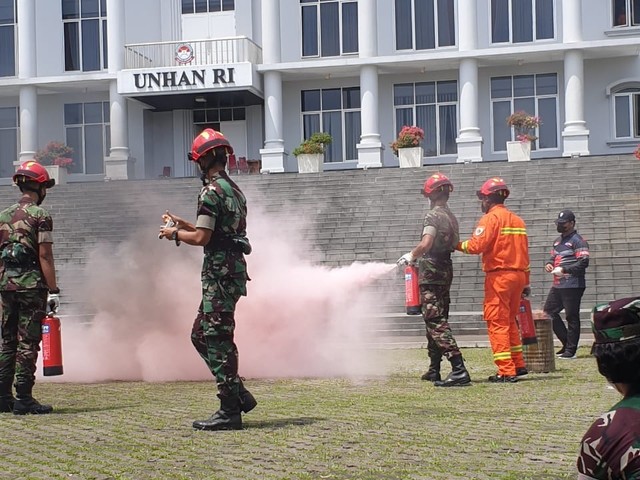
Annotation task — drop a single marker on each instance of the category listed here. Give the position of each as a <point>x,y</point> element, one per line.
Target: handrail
<point>192,53</point>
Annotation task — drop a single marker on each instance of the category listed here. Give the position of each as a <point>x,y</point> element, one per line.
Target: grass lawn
<point>393,427</point>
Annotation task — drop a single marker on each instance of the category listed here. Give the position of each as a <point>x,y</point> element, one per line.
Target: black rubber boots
<point>433,374</point>
<point>228,417</point>
<point>25,403</point>
<point>459,377</point>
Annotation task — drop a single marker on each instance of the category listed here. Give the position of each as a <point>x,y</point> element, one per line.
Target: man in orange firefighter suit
<point>501,238</point>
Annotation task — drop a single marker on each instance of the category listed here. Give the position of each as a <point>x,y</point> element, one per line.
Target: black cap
<point>565,216</point>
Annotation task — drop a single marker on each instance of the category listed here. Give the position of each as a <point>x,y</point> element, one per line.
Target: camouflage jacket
<point>611,447</point>
<point>23,227</point>
<point>222,208</point>
<point>435,266</point>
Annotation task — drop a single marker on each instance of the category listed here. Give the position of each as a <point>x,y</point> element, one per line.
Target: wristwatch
<point>174,237</point>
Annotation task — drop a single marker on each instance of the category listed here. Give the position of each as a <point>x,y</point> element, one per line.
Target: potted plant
<point>310,153</point>
<point>57,158</point>
<point>524,127</point>
<point>407,146</point>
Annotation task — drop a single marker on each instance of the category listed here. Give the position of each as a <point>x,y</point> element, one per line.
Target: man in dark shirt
<point>568,262</point>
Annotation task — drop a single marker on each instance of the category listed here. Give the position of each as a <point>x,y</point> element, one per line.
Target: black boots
<point>25,405</point>
<point>6,398</point>
<point>433,374</point>
<point>497,378</point>
<point>227,418</point>
<point>459,377</point>
<point>247,401</point>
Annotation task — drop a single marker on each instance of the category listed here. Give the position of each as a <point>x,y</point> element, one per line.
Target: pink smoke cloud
<point>299,318</point>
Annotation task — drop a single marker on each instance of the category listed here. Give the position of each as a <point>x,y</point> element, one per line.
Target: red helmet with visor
<point>207,140</point>
<point>34,172</point>
<point>494,185</point>
<point>437,183</point>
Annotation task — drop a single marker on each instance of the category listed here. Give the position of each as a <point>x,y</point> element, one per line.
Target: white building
<point>129,83</point>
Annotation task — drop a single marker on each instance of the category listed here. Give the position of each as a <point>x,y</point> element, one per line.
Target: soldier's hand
<point>168,216</point>
<point>53,302</point>
<point>406,259</point>
<point>548,268</point>
<point>166,232</point>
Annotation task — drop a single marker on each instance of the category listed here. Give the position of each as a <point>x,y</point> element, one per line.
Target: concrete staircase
<point>376,215</point>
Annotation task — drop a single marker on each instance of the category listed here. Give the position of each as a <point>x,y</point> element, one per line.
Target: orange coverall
<point>501,238</point>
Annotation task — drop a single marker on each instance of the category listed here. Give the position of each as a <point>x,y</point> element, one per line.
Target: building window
<point>211,117</point>
<point>329,28</point>
<point>424,24</point>
<point>207,6</point>
<point>88,132</point>
<point>518,21</point>
<point>536,95</point>
<point>85,35</point>
<point>9,124</point>
<point>8,11</point>
<point>432,106</point>
<point>626,13</point>
<point>626,106</point>
<point>335,111</point>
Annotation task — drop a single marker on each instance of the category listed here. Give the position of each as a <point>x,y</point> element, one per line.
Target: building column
<point>28,123</point>
<point>575,136</point>
<point>119,164</point>
<point>469,137</point>
<point>273,153</point>
<point>370,147</point>
<point>26,70</point>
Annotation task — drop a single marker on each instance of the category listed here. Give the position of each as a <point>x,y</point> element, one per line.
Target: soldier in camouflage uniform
<point>221,229</point>
<point>433,254</point>
<point>610,449</point>
<point>27,285</point>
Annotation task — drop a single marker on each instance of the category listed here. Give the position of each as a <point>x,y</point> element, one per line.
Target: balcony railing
<point>192,53</point>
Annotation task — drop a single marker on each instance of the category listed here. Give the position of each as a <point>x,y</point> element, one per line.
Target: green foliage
<point>313,145</point>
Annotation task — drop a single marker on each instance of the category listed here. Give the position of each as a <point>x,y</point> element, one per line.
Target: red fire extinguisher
<point>525,322</point>
<point>51,346</point>
<point>412,290</point>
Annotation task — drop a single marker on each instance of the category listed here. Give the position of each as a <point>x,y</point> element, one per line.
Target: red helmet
<point>207,140</point>
<point>493,185</point>
<point>437,182</point>
<point>33,171</point>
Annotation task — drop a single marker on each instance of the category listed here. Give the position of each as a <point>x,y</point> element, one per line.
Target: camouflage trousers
<point>435,312</point>
<point>212,336</point>
<point>22,315</point>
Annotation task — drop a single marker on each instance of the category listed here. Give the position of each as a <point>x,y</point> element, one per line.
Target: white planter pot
<point>310,163</point>
<point>58,173</point>
<point>519,151</point>
<point>410,157</point>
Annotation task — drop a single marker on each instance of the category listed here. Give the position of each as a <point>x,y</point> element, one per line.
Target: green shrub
<point>313,145</point>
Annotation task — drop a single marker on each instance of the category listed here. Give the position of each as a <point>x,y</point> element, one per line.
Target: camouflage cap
<point>616,321</point>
